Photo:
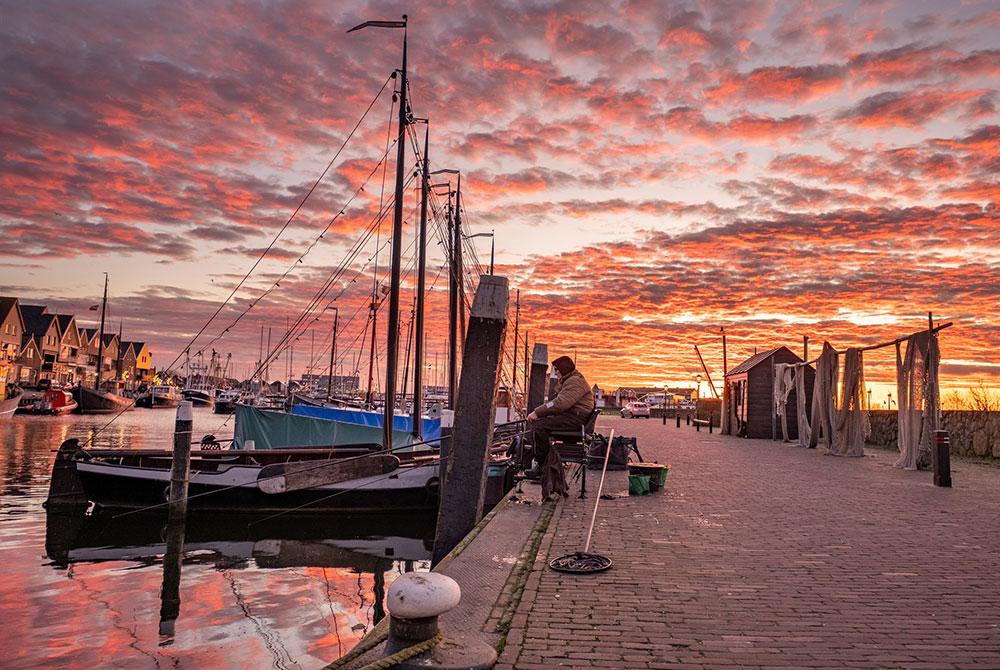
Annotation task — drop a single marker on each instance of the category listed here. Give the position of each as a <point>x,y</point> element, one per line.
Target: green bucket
<point>638,485</point>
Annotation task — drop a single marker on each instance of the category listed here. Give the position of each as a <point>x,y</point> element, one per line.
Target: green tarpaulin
<point>276,430</point>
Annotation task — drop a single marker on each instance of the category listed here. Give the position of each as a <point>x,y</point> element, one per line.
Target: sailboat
<point>310,472</point>
<point>101,399</point>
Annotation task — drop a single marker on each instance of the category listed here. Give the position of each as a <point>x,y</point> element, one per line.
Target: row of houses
<point>36,345</point>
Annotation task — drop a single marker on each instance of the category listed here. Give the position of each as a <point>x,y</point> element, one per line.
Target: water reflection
<point>91,590</point>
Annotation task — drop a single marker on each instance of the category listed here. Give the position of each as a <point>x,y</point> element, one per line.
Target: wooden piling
<point>180,466</point>
<point>463,489</point>
<point>539,376</point>
<point>170,590</point>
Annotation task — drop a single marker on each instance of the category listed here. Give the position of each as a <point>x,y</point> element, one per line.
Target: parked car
<point>634,410</point>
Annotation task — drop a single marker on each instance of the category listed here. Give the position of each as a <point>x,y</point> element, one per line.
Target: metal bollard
<point>678,415</point>
<point>941,458</point>
<point>711,420</point>
<point>689,419</point>
<point>415,601</point>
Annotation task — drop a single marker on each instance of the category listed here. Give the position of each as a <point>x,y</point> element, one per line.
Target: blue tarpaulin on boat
<point>276,430</point>
<point>400,423</point>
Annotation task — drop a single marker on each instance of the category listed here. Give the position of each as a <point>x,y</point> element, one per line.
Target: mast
<point>527,366</point>
<point>460,268</point>
<point>406,356</point>
<point>392,333</point>
<point>333,352</point>
<point>100,338</point>
<point>118,359</point>
<point>373,309</point>
<point>513,371</point>
<point>418,352</point>
<point>452,305</point>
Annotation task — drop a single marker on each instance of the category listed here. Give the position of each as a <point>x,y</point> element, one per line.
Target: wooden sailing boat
<point>100,400</point>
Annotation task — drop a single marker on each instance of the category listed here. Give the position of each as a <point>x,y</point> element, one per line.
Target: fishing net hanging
<point>852,417</point>
<point>802,420</point>
<point>824,400</point>
<point>916,393</point>
<point>784,384</point>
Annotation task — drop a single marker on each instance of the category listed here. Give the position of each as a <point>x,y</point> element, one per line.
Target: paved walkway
<point>762,554</point>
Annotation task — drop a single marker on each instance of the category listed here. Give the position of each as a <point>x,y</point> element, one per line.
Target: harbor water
<point>97,589</point>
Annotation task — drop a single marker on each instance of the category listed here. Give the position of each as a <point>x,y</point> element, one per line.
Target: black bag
<point>618,460</point>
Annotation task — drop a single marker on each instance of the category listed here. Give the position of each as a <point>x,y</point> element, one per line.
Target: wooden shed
<point>750,387</point>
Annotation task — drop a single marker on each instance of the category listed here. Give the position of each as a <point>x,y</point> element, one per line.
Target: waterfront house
<point>750,386</point>
<point>29,361</point>
<point>69,347</point>
<point>11,332</point>
<point>45,328</point>
<point>90,348</point>
<point>136,363</point>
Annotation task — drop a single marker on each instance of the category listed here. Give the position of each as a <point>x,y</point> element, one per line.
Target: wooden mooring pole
<point>180,466</point>
<point>463,487</point>
<point>539,376</point>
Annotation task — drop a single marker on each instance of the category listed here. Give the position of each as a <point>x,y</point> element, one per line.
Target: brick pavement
<point>766,555</point>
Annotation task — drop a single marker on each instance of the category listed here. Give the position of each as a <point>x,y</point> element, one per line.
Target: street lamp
<point>489,235</point>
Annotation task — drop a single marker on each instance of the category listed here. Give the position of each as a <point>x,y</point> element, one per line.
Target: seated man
<point>569,410</point>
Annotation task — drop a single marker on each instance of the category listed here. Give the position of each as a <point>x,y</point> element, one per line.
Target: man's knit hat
<point>564,364</point>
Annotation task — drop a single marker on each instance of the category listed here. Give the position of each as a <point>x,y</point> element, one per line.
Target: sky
<point>652,172</point>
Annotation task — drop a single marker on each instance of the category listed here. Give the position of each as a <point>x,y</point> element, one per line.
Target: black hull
<point>198,398</point>
<point>115,492</point>
<point>90,401</point>
<point>225,406</point>
<point>157,402</point>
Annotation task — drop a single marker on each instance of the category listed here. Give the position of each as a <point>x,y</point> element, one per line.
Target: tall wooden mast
<point>100,337</point>
<point>418,352</point>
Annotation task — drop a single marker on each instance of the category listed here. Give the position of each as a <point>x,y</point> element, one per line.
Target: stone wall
<point>971,433</point>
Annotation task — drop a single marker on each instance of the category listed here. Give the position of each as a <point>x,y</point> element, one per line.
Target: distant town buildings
<point>37,345</point>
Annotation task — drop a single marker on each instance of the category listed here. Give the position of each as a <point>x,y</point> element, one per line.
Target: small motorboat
<point>159,395</point>
<point>53,402</point>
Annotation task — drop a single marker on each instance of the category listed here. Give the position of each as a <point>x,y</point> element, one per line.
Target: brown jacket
<point>574,397</point>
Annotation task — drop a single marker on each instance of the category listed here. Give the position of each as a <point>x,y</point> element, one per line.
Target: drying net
<point>800,405</point>
<point>916,391</point>
<point>852,417</point>
<point>824,400</point>
<point>784,383</point>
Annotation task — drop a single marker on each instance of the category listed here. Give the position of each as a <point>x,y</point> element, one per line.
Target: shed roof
<point>756,360</point>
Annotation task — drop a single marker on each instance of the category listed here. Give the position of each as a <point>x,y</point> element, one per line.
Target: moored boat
<point>53,402</point>
<point>9,406</point>
<point>241,481</point>
<point>226,401</point>
<point>159,395</point>
<point>92,401</point>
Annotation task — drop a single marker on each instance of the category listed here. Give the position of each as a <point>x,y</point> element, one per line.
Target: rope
<point>404,654</point>
<point>375,639</point>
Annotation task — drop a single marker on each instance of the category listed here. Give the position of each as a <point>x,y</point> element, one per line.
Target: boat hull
<point>225,406</point>
<point>198,397</point>
<point>90,401</point>
<point>234,489</point>
<point>157,402</point>
<point>8,407</point>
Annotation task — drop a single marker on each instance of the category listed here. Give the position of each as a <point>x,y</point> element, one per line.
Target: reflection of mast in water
<point>170,594</point>
<point>378,592</point>
<point>272,641</point>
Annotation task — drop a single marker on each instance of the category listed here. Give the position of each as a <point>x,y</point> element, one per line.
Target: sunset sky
<point>653,171</point>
